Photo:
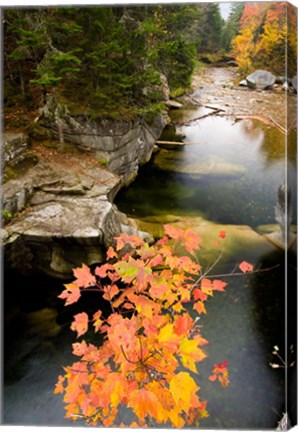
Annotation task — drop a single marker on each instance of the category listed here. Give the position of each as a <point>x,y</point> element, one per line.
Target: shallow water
<point>230,174</point>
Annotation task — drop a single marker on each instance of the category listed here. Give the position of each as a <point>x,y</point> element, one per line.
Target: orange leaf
<point>245,267</point>
<point>59,386</point>
<point>71,294</point>
<point>192,240</point>
<point>79,348</point>
<point>158,259</point>
<point>97,321</point>
<point>183,324</point>
<point>206,286</point>
<point>84,278</point>
<point>168,339</point>
<point>102,271</point>
<point>111,253</point>
<point>80,324</point>
<point>200,307</point>
<point>144,305</point>
<point>173,232</point>
<point>110,292</point>
<point>144,402</point>
<point>212,378</point>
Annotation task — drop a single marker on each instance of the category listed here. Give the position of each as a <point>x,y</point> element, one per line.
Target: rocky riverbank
<point>62,179</point>
<point>220,87</point>
<point>59,208</point>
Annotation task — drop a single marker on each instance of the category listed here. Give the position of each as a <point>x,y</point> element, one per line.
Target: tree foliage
<point>210,27</point>
<point>231,26</point>
<point>97,56</point>
<point>148,345</point>
<point>267,37</point>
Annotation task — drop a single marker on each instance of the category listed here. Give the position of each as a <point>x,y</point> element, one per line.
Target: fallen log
<point>170,143</point>
<point>216,111</point>
<point>263,118</point>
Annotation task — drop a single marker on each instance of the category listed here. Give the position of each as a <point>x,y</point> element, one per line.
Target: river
<point>228,178</point>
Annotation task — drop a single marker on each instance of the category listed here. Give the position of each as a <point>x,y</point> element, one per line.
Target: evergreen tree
<point>232,26</point>
<point>106,59</point>
<point>210,28</point>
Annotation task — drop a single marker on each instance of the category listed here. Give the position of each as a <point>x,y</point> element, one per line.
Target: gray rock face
<point>260,80</point>
<point>69,218</point>
<point>124,146</point>
<point>14,145</point>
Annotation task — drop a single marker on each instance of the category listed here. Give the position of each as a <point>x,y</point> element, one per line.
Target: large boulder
<point>260,79</point>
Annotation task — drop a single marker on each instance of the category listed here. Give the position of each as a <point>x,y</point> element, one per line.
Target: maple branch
<point>126,358</point>
<point>258,270</point>
<point>207,271</point>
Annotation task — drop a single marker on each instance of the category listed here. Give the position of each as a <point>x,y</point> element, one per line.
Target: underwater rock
<point>211,166</point>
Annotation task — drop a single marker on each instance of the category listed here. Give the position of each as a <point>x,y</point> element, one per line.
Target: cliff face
<point>122,145</point>
<point>66,211</point>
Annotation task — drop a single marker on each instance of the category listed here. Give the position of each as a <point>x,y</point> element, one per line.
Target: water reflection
<point>229,175</point>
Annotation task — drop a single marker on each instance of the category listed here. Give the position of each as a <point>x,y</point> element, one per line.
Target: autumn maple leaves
<point>149,342</point>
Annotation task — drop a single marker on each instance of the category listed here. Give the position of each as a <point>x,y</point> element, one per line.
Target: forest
<point>97,56</point>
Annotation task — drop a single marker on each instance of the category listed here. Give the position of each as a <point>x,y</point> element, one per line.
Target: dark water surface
<point>230,174</point>
<point>245,165</point>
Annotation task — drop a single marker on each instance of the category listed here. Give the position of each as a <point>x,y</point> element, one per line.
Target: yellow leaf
<point>190,354</point>
<point>168,339</point>
<point>182,387</point>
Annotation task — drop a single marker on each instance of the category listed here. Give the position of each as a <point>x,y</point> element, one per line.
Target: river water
<point>230,175</point>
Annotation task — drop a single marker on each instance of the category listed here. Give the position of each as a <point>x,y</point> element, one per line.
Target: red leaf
<point>199,295</point>
<point>245,267</point>
<point>80,324</point>
<point>219,285</point>
<point>222,234</point>
<point>84,278</point>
